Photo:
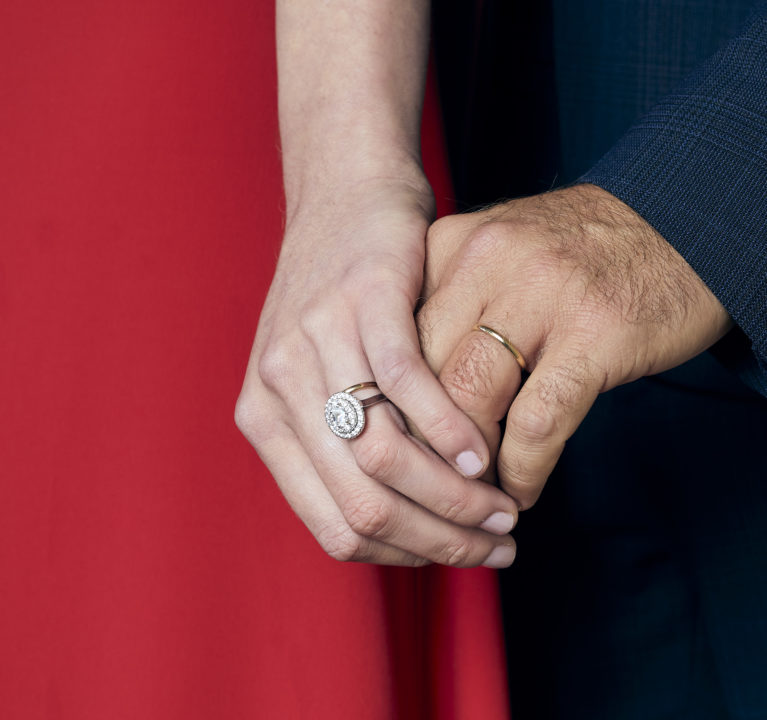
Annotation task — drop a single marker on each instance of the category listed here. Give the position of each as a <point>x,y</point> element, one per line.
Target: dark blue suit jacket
<point>640,586</point>
<point>695,166</point>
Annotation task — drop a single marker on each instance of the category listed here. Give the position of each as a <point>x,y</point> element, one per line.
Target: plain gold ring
<point>505,342</point>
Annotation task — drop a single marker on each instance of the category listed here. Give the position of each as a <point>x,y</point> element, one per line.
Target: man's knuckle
<point>487,241</point>
<point>424,323</point>
<point>544,272</point>
<point>585,372</point>
<point>458,384</point>
<point>369,515</point>
<point>512,469</point>
<point>470,377</point>
<point>564,387</point>
<point>444,233</point>
<point>439,228</point>
<point>533,423</point>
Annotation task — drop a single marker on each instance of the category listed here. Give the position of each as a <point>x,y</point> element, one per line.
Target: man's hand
<point>590,294</point>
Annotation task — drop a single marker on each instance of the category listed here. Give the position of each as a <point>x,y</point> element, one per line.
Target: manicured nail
<point>501,557</point>
<point>469,462</point>
<point>499,523</point>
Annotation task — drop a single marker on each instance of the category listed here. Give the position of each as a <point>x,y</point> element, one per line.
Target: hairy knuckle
<point>584,372</point>
<point>471,375</point>
<point>376,456</point>
<point>369,515</point>
<point>458,384</point>
<point>428,323</point>
<point>425,320</point>
<point>565,386</point>
<point>341,543</point>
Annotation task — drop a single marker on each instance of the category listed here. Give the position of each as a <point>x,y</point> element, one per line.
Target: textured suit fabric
<point>640,585</point>
<point>695,167</point>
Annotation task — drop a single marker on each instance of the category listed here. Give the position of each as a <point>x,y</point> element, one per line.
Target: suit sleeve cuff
<point>695,168</point>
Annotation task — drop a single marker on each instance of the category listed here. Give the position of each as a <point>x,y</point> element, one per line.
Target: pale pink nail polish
<point>501,557</point>
<point>469,463</point>
<point>499,523</point>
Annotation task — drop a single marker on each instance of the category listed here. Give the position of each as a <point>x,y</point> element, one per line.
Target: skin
<point>340,309</point>
<point>590,294</point>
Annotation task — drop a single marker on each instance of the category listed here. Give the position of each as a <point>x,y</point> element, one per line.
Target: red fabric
<point>148,566</point>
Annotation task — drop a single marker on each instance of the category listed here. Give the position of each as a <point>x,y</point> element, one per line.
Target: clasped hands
<point>589,293</point>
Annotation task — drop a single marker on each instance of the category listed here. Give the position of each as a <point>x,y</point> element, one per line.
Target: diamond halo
<point>345,415</point>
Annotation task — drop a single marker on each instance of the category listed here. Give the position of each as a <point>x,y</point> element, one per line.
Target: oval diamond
<point>344,415</point>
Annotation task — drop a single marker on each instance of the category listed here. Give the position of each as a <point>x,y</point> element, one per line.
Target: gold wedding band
<point>505,342</point>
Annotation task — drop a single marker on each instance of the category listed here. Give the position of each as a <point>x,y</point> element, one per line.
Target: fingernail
<point>501,557</point>
<point>499,523</point>
<point>469,462</point>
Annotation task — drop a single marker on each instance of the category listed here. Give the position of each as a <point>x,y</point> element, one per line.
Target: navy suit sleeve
<point>695,167</point>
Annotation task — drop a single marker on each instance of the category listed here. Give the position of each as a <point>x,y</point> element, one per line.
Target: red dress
<point>149,568</point>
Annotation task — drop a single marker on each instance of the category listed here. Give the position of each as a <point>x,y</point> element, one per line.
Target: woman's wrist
<point>345,189</point>
<point>351,84</point>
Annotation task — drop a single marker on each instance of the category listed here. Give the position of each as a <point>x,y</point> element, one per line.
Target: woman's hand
<point>589,293</point>
<point>339,312</point>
